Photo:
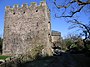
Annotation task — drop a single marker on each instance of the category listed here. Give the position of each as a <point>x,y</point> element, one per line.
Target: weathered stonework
<point>26,27</point>
<point>56,39</point>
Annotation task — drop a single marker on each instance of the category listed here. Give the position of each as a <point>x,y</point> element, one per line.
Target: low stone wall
<point>10,63</point>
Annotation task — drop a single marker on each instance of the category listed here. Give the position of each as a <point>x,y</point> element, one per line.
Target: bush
<point>31,54</point>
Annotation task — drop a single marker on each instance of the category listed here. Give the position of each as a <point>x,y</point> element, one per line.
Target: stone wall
<point>26,27</point>
<point>56,38</point>
<point>10,63</point>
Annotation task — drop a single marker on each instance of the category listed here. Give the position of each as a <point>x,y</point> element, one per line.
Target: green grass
<point>3,57</point>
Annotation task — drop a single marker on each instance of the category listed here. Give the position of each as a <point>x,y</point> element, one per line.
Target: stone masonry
<point>26,27</point>
<point>56,39</point>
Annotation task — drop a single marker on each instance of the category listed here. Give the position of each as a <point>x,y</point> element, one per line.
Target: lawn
<point>3,57</point>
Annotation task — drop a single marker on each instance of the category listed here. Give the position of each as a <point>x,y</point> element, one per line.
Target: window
<point>36,10</point>
<point>49,22</point>
<point>24,12</point>
<point>37,23</point>
<point>13,13</point>
<point>49,34</point>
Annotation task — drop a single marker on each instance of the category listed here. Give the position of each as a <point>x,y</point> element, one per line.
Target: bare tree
<point>70,9</point>
<point>74,6</point>
<point>84,27</point>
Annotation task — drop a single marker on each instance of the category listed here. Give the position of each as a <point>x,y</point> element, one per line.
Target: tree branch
<point>73,13</point>
<point>77,10</point>
<point>82,3</point>
<point>60,6</point>
<point>69,4</point>
<point>81,25</point>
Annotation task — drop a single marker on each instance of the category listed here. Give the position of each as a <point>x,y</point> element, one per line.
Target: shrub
<point>31,54</point>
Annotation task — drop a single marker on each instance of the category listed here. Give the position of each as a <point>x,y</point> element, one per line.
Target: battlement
<point>27,27</point>
<point>16,6</point>
<point>34,4</point>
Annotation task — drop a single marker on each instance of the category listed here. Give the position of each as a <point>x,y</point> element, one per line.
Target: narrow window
<point>36,10</point>
<point>37,23</point>
<point>37,31</point>
<point>24,12</point>
<point>13,13</point>
<point>49,22</point>
<point>49,34</point>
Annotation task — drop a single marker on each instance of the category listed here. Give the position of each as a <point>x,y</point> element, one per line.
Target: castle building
<point>26,27</point>
<point>56,39</point>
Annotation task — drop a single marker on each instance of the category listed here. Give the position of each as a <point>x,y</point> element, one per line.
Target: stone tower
<point>26,27</point>
<point>56,39</point>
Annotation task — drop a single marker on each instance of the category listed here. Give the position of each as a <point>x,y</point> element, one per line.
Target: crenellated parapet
<point>32,5</point>
<point>27,27</point>
<point>16,6</point>
<point>26,9</point>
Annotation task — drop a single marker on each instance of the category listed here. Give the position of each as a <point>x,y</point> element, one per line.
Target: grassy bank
<point>2,57</point>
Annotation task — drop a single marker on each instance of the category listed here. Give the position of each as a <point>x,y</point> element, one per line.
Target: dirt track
<point>65,60</point>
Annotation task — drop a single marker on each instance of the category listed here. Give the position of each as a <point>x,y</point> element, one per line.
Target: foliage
<point>72,10</point>
<point>31,54</point>
<point>73,40</point>
<point>68,43</point>
<point>85,28</point>
<point>73,46</point>
<point>36,51</point>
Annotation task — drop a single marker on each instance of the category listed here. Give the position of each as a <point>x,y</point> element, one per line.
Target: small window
<point>23,12</point>
<point>37,23</point>
<point>13,13</point>
<point>36,10</point>
<point>49,22</point>
<point>49,34</point>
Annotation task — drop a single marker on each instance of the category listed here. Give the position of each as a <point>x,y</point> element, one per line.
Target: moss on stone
<point>31,54</point>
